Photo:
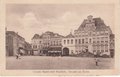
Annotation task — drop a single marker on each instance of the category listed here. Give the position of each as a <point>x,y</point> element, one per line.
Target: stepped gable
<point>99,24</point>
<point>36,36</point>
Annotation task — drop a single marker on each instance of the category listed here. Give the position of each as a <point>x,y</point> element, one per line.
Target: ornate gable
<point>92,24</point>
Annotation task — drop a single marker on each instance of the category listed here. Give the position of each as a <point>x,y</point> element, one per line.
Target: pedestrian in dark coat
<point>17,56</point>
<point>96,61</point>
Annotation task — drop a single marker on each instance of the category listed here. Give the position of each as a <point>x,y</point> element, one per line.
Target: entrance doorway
<point>65,51</point>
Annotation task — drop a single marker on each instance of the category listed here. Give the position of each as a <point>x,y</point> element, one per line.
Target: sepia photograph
<point>60,36</point>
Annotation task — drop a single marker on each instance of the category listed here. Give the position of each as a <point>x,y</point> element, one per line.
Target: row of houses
<point>92,36</point>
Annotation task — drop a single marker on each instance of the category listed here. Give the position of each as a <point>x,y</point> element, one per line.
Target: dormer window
<point>90,20</point>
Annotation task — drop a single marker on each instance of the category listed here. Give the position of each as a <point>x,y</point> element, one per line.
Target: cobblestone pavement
<point>49,62</point>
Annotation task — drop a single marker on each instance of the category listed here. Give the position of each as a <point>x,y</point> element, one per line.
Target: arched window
<point>79,41</point>
<point>75,41</point>
<point>71,41</point>
<point>83,41</point>
<point>64,41</point>
<point>67,41</point>
<point>89,40</point>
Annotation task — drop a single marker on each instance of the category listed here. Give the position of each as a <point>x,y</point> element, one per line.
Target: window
<point>90,20</point>
<point>67,41</point>
<point>79,41</point>
<point>106,41</point>
<point>102,41</point>
<point>106,50</point>
<point>97,41</point>
<point>40,42</point>
<point>76,41</point>
<point>83,41</point>
<point>89,40</point>
<point>64,41</point>
<point>102,51</point>
<point>94,51</point>
<point>71,41</point>
<point>34,46</point>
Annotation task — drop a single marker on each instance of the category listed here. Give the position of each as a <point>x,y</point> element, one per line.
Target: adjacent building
<point>14,43</point>
<point>36,44</point>
<point>27,48</point>
<point>68,45</point>
<point>112,45</point>
<point>48,43</point>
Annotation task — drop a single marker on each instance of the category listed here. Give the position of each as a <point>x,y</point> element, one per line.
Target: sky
<point>30,19</point>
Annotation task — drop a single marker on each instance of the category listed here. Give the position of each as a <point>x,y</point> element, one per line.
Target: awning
<point>54,51</point>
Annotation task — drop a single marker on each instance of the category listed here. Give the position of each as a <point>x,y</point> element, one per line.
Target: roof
<point>55,35</point>
<point>70,36</point>
<point>14,34</point>
<point>36,36</point>
<point>52,35</point>
<point>48,33</point>
<point>99,24</point>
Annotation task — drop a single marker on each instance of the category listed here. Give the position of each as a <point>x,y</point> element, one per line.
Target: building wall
<point>70,44</point>
<point>13,43</point>
<point>45,42</point>
<point>9,45</point>
<point>35,44</point>
<point>93,40</point>
<point>92,36</point>
<point>98,43</point>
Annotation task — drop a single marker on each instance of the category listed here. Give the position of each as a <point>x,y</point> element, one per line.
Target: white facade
<point>70,44</point>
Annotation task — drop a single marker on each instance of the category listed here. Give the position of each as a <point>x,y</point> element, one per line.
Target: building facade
<point>36,44</point>
<point>14,43</point>
<point>92,37</point>
<point>68,45</point>
<point>28,49</point>
<point>48,43</point>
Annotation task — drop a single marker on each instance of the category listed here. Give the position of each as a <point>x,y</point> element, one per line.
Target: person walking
<point>17,56</point>
<point>96,61</point>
